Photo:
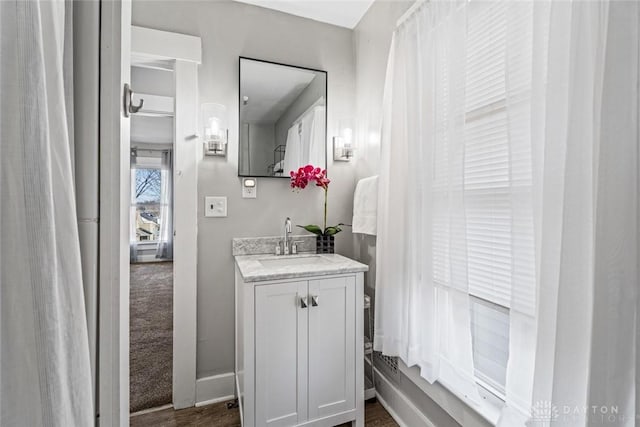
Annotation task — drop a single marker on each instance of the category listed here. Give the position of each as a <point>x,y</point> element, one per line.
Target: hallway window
<point>147,204</point>
<point>151,205</point>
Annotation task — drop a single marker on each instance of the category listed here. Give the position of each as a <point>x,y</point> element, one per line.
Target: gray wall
<point>372,39</point>
<point>228,30</point>
<point>152,81</point>
<point>261,143</point>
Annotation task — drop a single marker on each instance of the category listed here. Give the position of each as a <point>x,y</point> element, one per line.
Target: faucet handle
<point>294,246</point>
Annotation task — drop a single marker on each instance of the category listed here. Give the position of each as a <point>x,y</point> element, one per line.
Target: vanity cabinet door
<point>332,341</point>
<point>281,322</point>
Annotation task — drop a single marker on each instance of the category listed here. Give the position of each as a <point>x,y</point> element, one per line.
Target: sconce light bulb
<point>214,126</point>
<point>348,137</point>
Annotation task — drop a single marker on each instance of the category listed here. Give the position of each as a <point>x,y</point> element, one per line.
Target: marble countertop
<point>276,267</point>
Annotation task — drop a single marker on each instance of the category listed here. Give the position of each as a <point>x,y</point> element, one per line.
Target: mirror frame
<point>326,112</point>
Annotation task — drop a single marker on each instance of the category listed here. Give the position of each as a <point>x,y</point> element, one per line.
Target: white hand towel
<point>365,206</point>
<point>292,152</point>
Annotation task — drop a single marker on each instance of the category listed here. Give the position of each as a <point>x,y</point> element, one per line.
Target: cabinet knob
<point>314,300</point>
<point>303,302</point>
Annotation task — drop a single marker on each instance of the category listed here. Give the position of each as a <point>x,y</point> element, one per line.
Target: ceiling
<point>270,89</point>
<point>344,13</point>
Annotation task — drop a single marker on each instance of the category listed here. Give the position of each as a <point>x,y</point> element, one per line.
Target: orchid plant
<point>303,177</point>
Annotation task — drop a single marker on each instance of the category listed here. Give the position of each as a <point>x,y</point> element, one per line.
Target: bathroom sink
<point>292,260</point>
<point>262,267</point>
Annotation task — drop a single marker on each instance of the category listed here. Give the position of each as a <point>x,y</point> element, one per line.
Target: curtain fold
<point>165,237</point>
<point>317,139</point>
<point>133,211</point>
<point>588,273</point>
<point>45,376</point>
<point>306,141</point>
<point>525,79</point>
<point>293,150</point>
<point>422,310</point>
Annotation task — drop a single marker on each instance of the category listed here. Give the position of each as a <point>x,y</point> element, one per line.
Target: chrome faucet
<point>287,236</point>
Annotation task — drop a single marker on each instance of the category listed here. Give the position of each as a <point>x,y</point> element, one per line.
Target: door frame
<point>113,320</point>
<point>113,262</point>
<point>186,53</point>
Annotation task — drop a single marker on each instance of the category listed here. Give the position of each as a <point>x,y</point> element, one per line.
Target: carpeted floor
<point>151,335</point>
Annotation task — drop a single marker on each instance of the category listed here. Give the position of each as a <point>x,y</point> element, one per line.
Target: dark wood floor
<point>219,416</point>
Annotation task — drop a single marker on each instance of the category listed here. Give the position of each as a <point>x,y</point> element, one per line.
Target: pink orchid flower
<point>306,174</point>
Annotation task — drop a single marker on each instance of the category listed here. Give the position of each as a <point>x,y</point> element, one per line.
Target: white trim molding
<point>185,245</point>
<point>401,409</point>
<point>455,405</point>
<point>165,45</point>
<point>215,389</point>
<point>113,320</point>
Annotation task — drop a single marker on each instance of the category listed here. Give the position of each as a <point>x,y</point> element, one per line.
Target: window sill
<point>489,409</point>
<point>147,244</point>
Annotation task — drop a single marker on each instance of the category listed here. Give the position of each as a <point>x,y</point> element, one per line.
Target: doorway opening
<point>151,234</point>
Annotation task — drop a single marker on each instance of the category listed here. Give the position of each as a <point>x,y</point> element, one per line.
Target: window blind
<point>482,216</point>
<point>497,160</point>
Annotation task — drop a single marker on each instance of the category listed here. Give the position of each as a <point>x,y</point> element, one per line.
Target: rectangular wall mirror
<point>283,118</point>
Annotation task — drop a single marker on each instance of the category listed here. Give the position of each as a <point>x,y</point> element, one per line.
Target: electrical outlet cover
<point>249,188</point>
<point>215,206</point>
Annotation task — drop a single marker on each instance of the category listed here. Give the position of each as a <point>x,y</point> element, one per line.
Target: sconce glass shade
<point>215,129</point>
<point>344,143</point>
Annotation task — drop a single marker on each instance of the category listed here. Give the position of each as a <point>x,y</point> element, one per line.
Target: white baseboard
<point>215,389</point>
<point>401,409</point>
<point>150,410</point>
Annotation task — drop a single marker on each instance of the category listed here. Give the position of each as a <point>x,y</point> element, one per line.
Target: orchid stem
<point>324,230</point>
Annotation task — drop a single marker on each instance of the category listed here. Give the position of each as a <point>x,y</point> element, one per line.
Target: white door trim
<point>157,44</point>
<point>113,341</point>
<point>185,52</point>
<point>113,320</point>
<point>185,244</point>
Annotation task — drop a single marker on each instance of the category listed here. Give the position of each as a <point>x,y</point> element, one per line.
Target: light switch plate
<point>215,206</point>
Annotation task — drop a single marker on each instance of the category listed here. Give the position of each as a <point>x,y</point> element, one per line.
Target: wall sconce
<point>343,145</point>
<point>215,131</point>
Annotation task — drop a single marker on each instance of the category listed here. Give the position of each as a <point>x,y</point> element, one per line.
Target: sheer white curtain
<point>317,139</point>
<point>133,210</point>
<point>587,170</point>
<point>422,299</point>
<point>514,126</point>
<point>45,376</point>
<point>165,238</point>
<point>580,352</point>
<point>293,150</point>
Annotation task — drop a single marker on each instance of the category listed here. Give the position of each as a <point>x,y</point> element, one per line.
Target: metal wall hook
<point>129,107</point>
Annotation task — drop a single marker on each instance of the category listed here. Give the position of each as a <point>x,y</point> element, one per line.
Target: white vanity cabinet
<point>299,350</point>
